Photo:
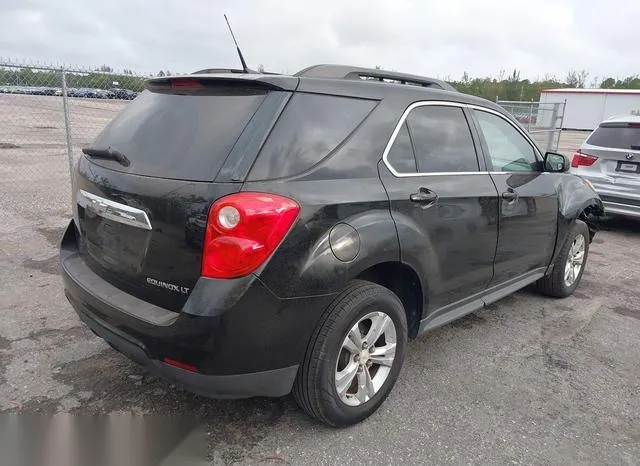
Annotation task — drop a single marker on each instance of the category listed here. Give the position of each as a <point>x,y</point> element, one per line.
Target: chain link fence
<point>543,121</point>
<point>47,114</point>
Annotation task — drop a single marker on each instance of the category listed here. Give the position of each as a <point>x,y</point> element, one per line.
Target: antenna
<point>244,64</point>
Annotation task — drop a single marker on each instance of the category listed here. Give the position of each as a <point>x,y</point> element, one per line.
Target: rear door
<point>442,202</point>
<point>615,171</point>
<point>142,221</point>
<point>527,197</point>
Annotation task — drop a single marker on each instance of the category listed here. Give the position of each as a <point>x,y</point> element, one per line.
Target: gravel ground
<point>528,380</point>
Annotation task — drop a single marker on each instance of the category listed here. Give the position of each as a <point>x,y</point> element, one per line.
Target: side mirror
<point>556,163</point>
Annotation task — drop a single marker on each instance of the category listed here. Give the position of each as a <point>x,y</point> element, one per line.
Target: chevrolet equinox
<point>256,234</point>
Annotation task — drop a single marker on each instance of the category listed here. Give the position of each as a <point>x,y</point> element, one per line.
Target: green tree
<point>608,83</point>
<point>630,82</point>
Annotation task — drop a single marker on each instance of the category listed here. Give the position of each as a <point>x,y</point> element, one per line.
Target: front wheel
<point>569,265</point>
<point>354,356</point>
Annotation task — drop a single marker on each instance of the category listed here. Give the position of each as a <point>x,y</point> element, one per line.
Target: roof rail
<point>365,74</point>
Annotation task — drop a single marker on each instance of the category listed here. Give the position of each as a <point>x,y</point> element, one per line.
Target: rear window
<point>310,128</point>
<point>618,136</point>
<point>178,136</point>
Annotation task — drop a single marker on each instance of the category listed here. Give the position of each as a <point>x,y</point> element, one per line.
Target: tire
<point>315,388</point>
<point>555,284</point>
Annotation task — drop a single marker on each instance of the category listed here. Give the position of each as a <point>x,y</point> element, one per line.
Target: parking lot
<point>528,380</point>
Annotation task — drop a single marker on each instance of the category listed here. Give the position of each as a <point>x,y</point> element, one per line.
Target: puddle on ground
<point>50,265</point>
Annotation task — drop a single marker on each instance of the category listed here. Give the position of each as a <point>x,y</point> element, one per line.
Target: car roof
<point>371,89</point>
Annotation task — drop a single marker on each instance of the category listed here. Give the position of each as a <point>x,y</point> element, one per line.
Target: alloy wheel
<point>365,358</point>
<point>575,260</point>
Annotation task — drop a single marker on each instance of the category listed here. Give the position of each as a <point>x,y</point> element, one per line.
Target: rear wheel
<point>354,356</point>
<point>569,265</point>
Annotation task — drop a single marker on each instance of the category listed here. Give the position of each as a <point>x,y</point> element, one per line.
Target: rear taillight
<point>582,160</point>
<point>243,229</point>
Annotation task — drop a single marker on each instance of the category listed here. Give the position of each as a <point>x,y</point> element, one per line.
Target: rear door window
<point>310,128</point>
<point>616,136</point>
<point>442,140</point>
<point>178,136</point>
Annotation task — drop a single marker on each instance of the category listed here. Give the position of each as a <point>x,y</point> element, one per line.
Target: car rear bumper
<point>619,201</point>
<point>622,209</point>
<point>276,382</point>
<point>249,344</point>
<point>618,198</point>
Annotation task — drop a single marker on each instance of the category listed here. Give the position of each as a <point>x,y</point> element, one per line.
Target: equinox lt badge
<point>168,286</point>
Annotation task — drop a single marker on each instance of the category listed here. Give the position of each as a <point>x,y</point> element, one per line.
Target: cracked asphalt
<point>528,380</point>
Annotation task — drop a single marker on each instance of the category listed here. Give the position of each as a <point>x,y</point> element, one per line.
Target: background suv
<point>253,234</point>
<point>610,160</point>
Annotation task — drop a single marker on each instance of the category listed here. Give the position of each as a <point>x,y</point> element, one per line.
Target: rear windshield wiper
<point>109,153</point>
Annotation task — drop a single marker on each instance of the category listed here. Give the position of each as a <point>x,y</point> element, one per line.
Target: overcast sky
<point>441,38</point>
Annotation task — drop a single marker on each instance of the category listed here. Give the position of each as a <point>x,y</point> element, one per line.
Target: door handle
<point>424,196</point>
<point>510,195</point>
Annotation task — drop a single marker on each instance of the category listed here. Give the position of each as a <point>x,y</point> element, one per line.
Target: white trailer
<point>586,108</point>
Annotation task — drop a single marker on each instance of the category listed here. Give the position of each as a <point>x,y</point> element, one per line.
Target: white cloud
<point>438,38</point>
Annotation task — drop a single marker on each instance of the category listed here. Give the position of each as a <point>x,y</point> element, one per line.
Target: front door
<point>444,206</point>
<point>527,197</point>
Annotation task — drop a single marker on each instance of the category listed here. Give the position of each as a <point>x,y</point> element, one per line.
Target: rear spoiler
<point>228,78</point>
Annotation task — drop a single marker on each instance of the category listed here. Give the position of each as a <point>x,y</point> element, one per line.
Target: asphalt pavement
<point>528,380</point>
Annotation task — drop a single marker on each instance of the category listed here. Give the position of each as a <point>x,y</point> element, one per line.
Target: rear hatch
<point>617,148</point>
<point>612,158</point>
<point>143,192</point>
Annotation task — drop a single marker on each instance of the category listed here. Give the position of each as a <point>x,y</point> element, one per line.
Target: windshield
<point>618,136</point>
<point>177,136</point>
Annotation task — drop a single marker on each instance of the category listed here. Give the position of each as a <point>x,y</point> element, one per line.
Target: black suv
<point>252,234</point>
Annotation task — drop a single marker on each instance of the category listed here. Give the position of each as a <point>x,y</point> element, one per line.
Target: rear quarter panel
<point>306,263</point>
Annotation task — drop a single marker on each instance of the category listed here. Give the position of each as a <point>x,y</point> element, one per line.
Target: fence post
<point>552,144</point>
<point>530,116</point>
<point>67,124</point>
